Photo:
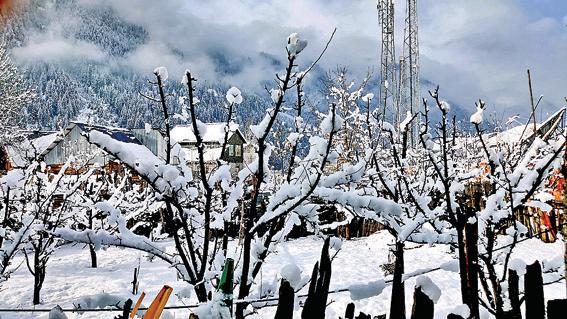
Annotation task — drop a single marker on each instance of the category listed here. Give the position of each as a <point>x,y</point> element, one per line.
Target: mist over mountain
<point>84,61</point>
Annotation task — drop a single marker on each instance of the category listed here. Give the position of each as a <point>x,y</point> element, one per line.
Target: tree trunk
<point>244,288</point>
<point>471,235</point>
<point>225,239</point>
<point>39,277</point>
<point>463,269</point>
<point>6,211</point>
<point>398,305</point>
<point>93,256</point>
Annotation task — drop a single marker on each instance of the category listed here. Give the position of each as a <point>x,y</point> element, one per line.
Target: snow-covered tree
<point>15,94</point>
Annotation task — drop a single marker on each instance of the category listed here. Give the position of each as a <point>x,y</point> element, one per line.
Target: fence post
<point>316,301</point>
<point>349,313</point>
<point>135,281</point>
<point>556,308</point>
<point>533,286</point>
<point>285,301</point>
<point>423,307</point>
<point>514,294</point>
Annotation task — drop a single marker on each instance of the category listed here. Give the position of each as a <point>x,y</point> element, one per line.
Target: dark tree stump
<point>316,302</point>
<point>362,315</point>
<point>514,295</point>
<point>285,301</point>
<point>349,313</point>
<point>127,309</point>
<point>533,285</point>
<point>423,307</point>
<point>557,309</point>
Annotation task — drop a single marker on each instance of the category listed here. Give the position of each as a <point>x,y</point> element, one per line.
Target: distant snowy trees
<point>15,94</point>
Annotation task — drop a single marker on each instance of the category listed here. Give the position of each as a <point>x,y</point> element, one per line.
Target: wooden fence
<point>315,303</point>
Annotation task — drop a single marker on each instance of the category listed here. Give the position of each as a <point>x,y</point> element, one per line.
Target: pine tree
<point>15,94</point>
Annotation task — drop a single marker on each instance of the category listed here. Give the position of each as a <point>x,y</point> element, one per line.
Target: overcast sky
<point>472,49</point>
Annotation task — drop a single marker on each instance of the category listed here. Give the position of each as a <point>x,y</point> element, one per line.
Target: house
<point>213,138</point>
<point>152,138</point>
<point>73,142</point>
<point>18,155</point>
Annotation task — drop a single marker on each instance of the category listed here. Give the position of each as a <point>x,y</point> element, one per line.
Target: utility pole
<point>532,100</point>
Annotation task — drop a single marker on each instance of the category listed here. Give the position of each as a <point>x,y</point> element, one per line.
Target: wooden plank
<point>533,286</point>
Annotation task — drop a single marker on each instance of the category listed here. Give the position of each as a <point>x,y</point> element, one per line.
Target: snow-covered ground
<point>70,278</point>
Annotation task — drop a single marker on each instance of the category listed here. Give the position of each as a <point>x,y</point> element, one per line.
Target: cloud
<point>473,49</point>
<point>57,50</point>
<point>492,44</point>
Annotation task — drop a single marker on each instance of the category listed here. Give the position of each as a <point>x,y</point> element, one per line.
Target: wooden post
<point>349,313</point>
<point>514,294</point>
<point>137,305</point>
<point>556,309</point>
<point>285,301</point>
<point>533,285</point>
<point>532,100</point>
<point>135,282</point>
<point>316,301</point>
<point>156,307</point>
<point>423,307</point>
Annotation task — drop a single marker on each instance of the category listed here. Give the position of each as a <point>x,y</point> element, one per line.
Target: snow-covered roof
<point>119,134</point>
<point>42,143</point>
<point>512,135</point>
<point>525,133</point>
<point>213,133</point>
<point>18,153</point>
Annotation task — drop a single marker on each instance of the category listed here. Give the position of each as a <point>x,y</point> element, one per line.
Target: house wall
<point>234,152</point>
<point>74,144</point>
<point>153,140</point>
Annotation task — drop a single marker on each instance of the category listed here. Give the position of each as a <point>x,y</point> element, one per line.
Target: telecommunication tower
<point>388,87</point>
<point>410,94</point>
<point>399,86</point>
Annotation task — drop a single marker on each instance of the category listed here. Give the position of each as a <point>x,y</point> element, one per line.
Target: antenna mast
<point>410,94</point>
<point>388,88</point>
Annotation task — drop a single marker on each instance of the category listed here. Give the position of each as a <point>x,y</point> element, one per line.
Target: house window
<point>238,150</point>
<point>231,150</point>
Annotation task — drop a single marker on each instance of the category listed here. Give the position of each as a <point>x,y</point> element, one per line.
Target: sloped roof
<point>37,143</point>
<point>525,134</point>
<point>119,134</point>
